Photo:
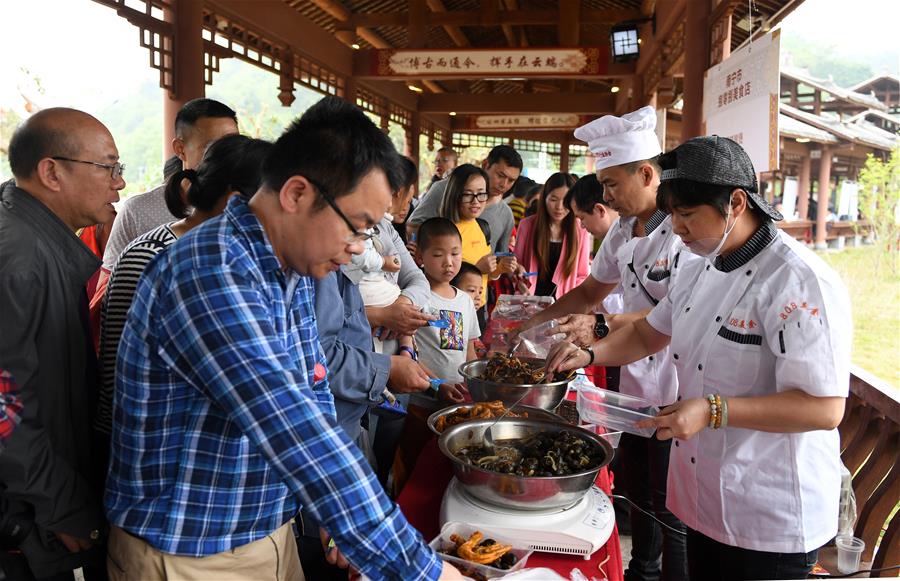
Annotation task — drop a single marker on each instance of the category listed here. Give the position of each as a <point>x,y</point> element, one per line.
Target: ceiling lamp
<point>802,140</point>
<point>415,88</point>
<point>624,42</point>
<point>614,89</point>
<point>453,113</point>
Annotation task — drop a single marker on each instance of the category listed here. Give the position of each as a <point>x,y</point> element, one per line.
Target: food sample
<point>479,411</point>
<point>541,454</point>
<point>502,368</point>
<point>477,549</point>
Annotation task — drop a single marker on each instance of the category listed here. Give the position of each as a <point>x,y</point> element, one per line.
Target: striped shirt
<point>119,295</point>
<point>223,420</point>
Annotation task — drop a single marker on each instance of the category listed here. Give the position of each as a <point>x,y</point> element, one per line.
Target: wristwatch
<point>601,329</point>
<point>590,353</point>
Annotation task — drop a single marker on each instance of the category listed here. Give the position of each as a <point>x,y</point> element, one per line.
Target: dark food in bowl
<point>512,370</point>
<point>541,454</point>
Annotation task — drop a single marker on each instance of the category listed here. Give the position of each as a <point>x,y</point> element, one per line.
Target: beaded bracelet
<point>713,411</point>
<point>718,411</point>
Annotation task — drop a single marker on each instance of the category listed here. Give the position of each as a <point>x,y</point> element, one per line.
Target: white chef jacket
<point>777,322</point>
<point>655,259</point>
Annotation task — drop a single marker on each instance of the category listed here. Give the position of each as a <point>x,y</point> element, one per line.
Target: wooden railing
<point>870,449</point>
<point>834,231</point>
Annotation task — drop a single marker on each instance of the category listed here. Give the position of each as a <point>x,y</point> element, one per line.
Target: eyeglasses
<point>443,159</point>
<point>115,170</point>
<point>356,236</point>
<point>469,198</point>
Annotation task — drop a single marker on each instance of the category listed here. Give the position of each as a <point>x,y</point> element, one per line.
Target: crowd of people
<point>232,375</point>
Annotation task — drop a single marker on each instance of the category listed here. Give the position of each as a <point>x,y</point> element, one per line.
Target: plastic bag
<point>847,506</point>
<point>537,341</point>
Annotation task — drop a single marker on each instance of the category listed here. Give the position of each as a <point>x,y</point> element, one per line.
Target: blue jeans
<point>657,553</point>
<point>710,560</point>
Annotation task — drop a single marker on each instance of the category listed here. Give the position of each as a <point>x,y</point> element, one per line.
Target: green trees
<point>879,202</point>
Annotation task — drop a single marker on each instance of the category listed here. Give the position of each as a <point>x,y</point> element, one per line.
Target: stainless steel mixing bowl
<point>533,413</point>
<point>544,395</point>
<point>509,490</point>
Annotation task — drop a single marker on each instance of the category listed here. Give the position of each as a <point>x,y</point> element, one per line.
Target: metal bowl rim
<point>464,371</point>
<point>432,419</point>
<point>606,446</point>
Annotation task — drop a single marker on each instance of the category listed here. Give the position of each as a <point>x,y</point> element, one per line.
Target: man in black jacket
<point>67,176</point>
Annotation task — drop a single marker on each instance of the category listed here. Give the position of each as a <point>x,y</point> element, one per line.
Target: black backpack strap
<point>486,230</point>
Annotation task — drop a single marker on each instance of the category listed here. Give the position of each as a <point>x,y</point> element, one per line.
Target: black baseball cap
<point>716,161</point>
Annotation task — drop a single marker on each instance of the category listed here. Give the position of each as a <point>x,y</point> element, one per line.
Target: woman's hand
<point>682,419</point>
<point>566,356</point>
<point>487,264</point>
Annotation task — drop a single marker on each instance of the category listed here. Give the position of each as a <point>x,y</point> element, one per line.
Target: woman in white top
<point>760,335</point>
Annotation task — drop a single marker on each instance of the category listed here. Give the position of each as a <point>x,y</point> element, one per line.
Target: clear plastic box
<point>614,410</point>
<point>442,542</point>
<point>605,433</point>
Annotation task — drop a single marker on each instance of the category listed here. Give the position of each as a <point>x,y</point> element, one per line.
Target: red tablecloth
<point>421,497</point>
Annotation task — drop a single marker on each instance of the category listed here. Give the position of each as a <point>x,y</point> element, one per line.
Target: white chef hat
<point>620,140</point>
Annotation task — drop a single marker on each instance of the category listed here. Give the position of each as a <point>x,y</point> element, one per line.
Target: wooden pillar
<point>412,137</point>
<point>696,61</point>
<point>187,17</point>
<point>564,156</point>
<point>824,196</point>
<point>803,185</point>
<point>350,89</point>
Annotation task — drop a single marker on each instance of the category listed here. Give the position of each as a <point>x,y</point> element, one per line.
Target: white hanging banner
<point>740,100</point>
<point>789,198</point>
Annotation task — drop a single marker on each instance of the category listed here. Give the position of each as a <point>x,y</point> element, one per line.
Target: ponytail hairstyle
<point>230,164</point>
<point>569,227</point>
<point>455,186</point>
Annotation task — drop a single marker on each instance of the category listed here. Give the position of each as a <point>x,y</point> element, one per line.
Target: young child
<point>443,350</point>
<point>368,268</point>
<point>468,280</point>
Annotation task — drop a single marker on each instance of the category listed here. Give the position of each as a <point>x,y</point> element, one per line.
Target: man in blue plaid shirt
<point>223,423</point>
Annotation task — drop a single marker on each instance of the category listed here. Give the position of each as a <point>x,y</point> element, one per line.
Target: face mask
<point>702,247</point>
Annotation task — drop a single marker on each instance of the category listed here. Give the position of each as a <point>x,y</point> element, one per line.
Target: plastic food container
<point>605,433</point>
<point>614,410</point>
<point>474,570</point>
<point>849,550</point>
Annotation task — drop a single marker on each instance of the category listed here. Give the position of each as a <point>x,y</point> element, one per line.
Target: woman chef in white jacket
<point>760,335</point>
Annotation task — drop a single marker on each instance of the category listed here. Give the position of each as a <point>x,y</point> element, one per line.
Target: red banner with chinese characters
<point>488,62</point>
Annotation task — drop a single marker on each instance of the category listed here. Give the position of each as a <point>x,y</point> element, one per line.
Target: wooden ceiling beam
<point>454,32</point>
<point>415,30</point>
<point>284,23</point>
<point>512,38</point>
<point>340,13</point>
<point>568,31</point>
<point>582,103</point>
<point>489,17</point>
